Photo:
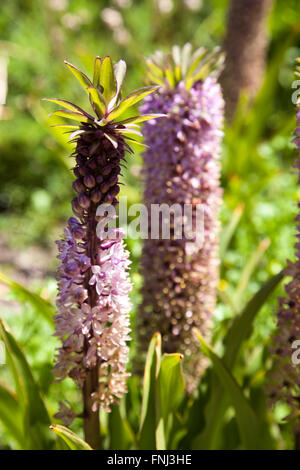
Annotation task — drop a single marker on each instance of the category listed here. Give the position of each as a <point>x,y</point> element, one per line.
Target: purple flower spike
<point>182,166</point>
<point>93,282</point>
<point>284,378</point>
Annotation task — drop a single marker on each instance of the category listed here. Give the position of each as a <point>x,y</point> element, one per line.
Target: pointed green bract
<point>104,94</point>
<point>81,77</point>
<point>131,100</point>
<point>107,79</point>
<point>181,64</point>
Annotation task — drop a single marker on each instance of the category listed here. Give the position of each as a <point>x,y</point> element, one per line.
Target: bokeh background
<point>35,177</point>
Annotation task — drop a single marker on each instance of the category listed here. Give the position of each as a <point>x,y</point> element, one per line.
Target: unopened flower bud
<point>89,181</point>
<point>96,195</point>
<point>78,186</point>
<point>84,201</point>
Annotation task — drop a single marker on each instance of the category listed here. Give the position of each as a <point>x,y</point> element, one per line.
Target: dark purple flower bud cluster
<point>182,166</point>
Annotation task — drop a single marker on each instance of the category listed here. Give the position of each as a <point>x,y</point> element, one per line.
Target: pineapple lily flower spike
<point>93,303</point>
<point>182,166</point>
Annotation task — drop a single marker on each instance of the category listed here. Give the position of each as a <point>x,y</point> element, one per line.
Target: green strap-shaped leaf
<point>73,441</point>
<point>71,115</point>
<point>107,79</point>
<point>69,106</point>
<point>245,416</point>
<point>97,101</point>
<point>242,324</point>
<point>239,331</point>
<point>151,429</point>
<point>35,414</point>
<point>96,76</point>
<point>142,118</point>
<point>84,81</point>
<point>41,305</point>
<point>171,386</point>
<point>129,101</point>
<point>11,416</point>
<point>120,432</point>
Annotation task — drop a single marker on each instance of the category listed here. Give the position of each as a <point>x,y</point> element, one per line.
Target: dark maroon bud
<point>96,195</point>
<point>115,190</point>
<point>83,170</point>
<point>115,201</point>
<point>76,207</point>
<point>104,187</point>
<point>92,164</point>
<point>72,268</point>
<point>99,179</point>
<point>101,159</point>
<point>108,198</point>
<point>94,148</point>
<point>76,171</point>
<point>113,180</point>
<point>84,201</point>
<point>89,181</point>
<point>106,170</point>
<point>78,186</point>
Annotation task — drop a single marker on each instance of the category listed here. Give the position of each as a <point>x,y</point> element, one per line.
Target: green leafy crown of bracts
<point>104,93</point>
<point>183,65</point>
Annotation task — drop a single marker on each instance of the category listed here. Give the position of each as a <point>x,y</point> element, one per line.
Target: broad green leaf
<point>84,81</point>
<point>107,79</point>
<point>171,383</point>
<point>11,416</point>
<point>70,115</point>
<point>97,101</point>
<point>41,305</point>
<point>69,106</point>
<point>230,229</point>
<point>245,416</point>
<point>36,418</point>
<point>120,432</point>
<point>71,439</point>
<point>239,331</point>
<point>129,101</point>
<point>171,389</point>
<point>150,429</point>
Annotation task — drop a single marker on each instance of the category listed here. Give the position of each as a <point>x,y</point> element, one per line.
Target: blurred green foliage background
<point>35,177</point>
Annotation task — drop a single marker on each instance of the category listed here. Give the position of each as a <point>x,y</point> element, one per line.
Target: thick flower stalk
<point>284,379</point>
<point>93,300</point>
<point>245,46</point>
<point>182,166</point>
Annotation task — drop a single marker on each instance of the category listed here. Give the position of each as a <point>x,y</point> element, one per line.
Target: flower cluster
<point>284,379</point>
<point>182,166</point>
<point>93,300</point>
